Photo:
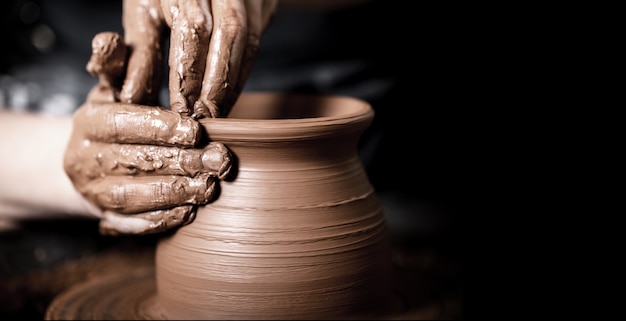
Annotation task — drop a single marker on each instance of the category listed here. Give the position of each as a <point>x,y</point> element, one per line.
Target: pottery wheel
<point>132,296</point>
<point>126,296</point>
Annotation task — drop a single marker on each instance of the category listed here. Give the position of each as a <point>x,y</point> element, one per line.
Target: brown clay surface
<point>433,267</point>
<point>128,291</point>
<point>131,295</point>
<point>296,233</point>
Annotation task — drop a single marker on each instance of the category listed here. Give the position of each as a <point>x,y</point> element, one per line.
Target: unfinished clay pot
<point>297,232</point>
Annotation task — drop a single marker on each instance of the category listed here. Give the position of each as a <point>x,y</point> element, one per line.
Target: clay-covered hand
<point>212,46</point>
<point>142,166</point>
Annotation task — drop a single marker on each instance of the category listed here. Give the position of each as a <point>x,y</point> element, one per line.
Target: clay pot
<point>297,232</point>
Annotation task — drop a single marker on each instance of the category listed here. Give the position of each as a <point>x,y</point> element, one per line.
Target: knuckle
<point>233,28</point>
<point>199,22</point>
<point>233,24</point>
<point>254,41</point>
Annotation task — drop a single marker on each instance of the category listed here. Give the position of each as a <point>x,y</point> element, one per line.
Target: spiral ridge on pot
<point>297,233</point>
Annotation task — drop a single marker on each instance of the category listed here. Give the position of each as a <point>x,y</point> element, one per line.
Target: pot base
<point>132,296</point>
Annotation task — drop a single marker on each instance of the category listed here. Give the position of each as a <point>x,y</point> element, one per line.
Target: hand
<point>138,163</point>
<point>212,48</point>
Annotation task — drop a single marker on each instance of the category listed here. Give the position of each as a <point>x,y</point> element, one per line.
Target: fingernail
<point>204,187</point>
<point>201,110</point>
<point>217,158</point>
<point>187,132</point>
<point>210,190</point>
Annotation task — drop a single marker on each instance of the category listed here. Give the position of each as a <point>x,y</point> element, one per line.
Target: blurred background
<point>407,62</point>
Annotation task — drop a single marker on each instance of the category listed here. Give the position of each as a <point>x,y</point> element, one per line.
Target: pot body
<point>296,232</point>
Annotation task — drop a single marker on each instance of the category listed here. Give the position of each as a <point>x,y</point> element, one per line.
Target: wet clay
<point>148,161</point>
<point>108,63</point>
<point>128,292</point>
<point>212,47</point>
<point>133,158</point>
<point>298,231</point>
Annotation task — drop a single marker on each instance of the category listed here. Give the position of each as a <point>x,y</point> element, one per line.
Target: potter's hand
<point>136,164</point>
<point>213,44</point>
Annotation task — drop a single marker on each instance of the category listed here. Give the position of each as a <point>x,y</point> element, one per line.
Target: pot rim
<point>339,114</point>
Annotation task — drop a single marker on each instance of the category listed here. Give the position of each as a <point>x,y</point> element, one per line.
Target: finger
<point>128,195</point>
<point>257,13</point>
<point>130,159</point>
<point>108,63</point>
<point>218,158</point>
<point>226,49</point>
<point>113,223</point>
<point>108,58</point>
<point>143,29</point>
<point>136,124</point>
<point>191,24</point>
